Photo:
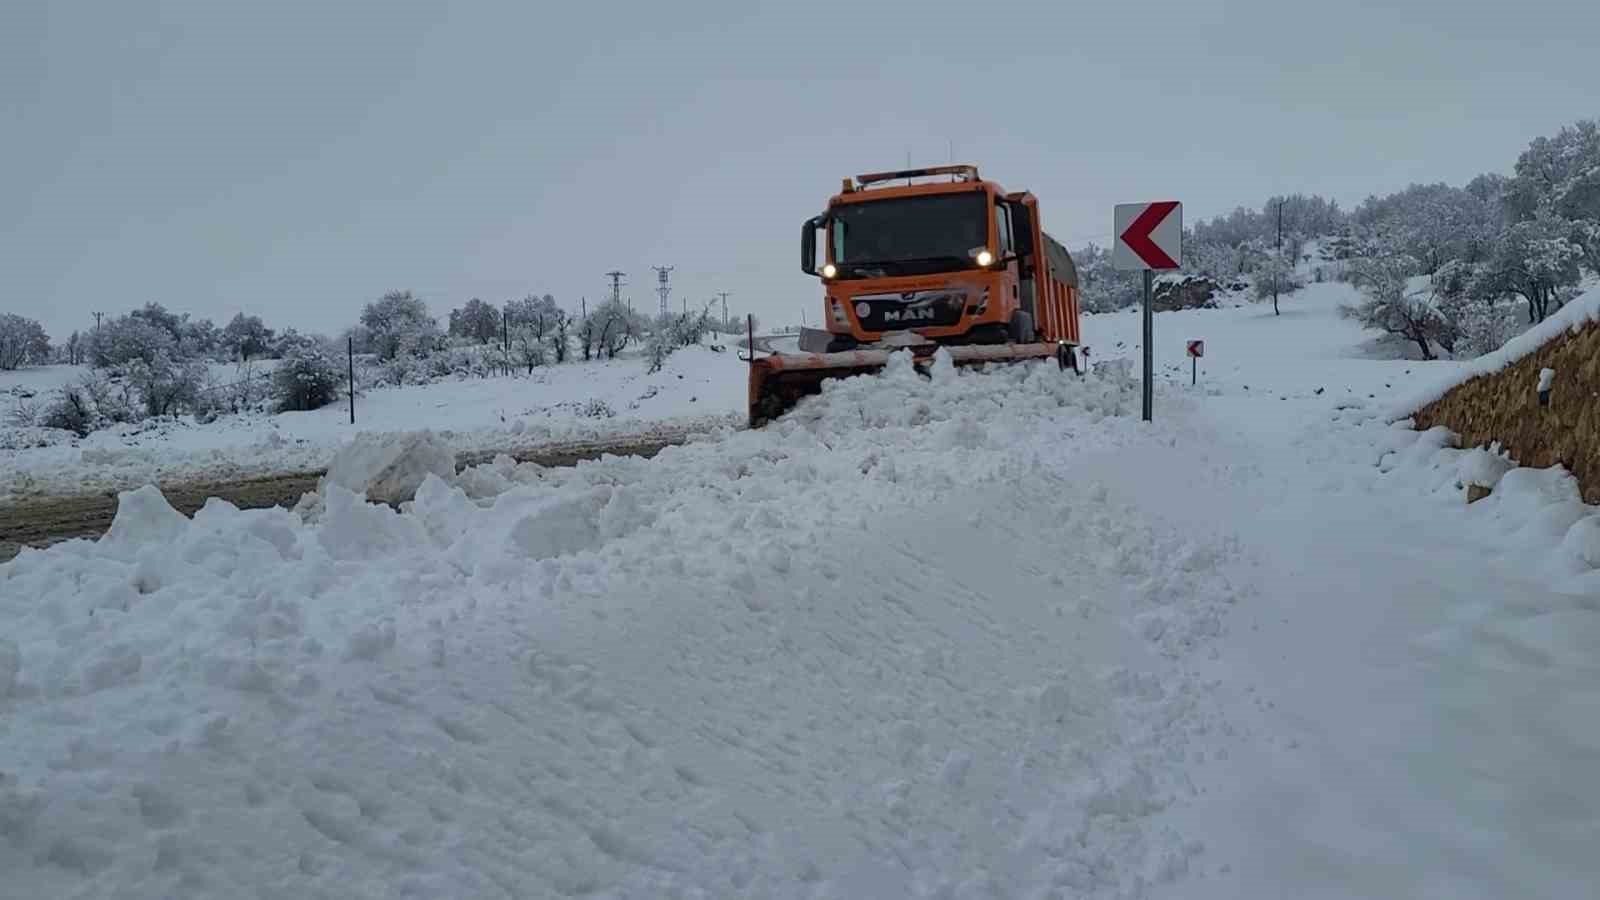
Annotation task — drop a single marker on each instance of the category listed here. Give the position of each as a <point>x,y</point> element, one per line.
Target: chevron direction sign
<point>1148,236</point>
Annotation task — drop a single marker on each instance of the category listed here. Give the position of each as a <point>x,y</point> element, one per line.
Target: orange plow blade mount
<point>777,382</point>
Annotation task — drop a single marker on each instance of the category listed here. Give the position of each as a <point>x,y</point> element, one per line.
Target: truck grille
<point>890,312</point>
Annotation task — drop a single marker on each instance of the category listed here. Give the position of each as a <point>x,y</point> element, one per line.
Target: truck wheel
<point>1021,327</point>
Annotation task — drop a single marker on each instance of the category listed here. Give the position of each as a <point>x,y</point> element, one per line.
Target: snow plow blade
<point>777,382</point>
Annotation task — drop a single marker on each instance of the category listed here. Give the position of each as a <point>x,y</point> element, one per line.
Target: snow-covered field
<point>697,389</point>
<point>987,635</point>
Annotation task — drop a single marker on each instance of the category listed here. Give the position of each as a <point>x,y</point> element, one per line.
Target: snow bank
<point>698,390</point>
<point>1536,517</point>
<point>1570,318</point>
<point>886,647</point>
<point>390,468</point>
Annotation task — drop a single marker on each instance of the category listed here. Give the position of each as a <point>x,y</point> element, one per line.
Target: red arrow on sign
<point>1137,236</point>
<point>1197,348</point>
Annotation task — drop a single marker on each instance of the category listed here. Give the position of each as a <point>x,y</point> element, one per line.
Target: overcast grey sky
<point>294,159</point>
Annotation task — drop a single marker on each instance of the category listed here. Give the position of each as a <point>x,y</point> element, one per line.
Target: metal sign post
<point>1149,237</point>
<point>1149,342</point>
<point>351,347</point>
<point>1197,349</point>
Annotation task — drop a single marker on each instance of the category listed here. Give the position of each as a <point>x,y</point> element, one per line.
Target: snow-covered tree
<point>1562,171</point>
<point>172,323</point>
<point>588,333</point>
<point>1560,176</point>
<point>533,322</point>
<point>1438,223</point>
<point>534,311</point>
<point>245,337</point>
<point>22,341</point>
<point>200,337</point>
<point>1389,304</point>
<point>1276,278</point>
<point>476,320</point>
<point>124,339</point>
<point>614,326</point>
<point>1536,259</point>
<point>400,322</point>
<point>527,349</point>
<point>1216,261</point>
<point>559,331</point>
<point>1305,216</point>
<point>1102,287</point>
<point>357,338</point>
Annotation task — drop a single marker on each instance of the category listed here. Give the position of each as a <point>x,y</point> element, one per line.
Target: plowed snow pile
<point>888,647</point>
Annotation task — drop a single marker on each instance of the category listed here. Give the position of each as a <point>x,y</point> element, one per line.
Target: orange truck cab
<point>951,262</point>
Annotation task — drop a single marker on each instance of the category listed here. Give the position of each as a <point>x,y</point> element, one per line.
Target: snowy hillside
<point>980,635</point>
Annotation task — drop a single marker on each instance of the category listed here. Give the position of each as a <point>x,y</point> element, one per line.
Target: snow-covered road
<point>984,636</point>
<point>764,667</point>
<point>1412,683</point>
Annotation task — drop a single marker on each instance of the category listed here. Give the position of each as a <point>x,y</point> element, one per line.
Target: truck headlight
<point>985,258</point>
<point>829,270</point>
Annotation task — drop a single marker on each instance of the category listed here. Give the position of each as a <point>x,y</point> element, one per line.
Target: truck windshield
<point>909,235</point>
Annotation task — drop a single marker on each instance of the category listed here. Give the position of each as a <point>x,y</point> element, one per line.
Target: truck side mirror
<point>808,245</point>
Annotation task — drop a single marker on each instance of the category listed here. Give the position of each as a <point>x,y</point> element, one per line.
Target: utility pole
<point>1280,261</point>
<point>616,286</point>
<point>97,317</point>
<point>663,287</point>
<point>724,296</point>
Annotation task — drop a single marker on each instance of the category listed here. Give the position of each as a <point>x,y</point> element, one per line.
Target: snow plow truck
<point>917,260</point>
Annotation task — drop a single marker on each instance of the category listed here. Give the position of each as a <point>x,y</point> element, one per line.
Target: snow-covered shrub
<point>70,410</point>
<point>597,409</point>
<point>528,348</point>
<point>111,401</point>
<point>1486,326</point>
<point>308,378</point>
<point>660,347</point>
<point>167,386</point>
<point>454,361</point>
<point>1103,287</point>
<point>484,363</point>
<point>24,415</point>
<point>399,371</point>
<point>248,388</point>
